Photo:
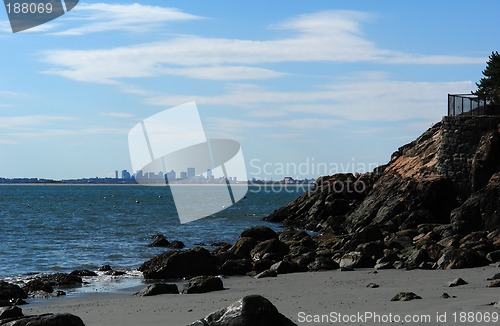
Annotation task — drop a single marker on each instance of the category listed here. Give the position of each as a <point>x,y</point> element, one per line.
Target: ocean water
<point>49,228</point>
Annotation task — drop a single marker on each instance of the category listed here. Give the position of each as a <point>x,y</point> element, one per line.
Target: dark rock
<point>447,296</point>
<point>267,273</point>
<point>236,267</point>
<point>38,285</point>
<point>252,310</point>
<point>372,285</point>
<point>457,282</point>
<point>10,312</point>
<point>177,264</point>
<point>273,246</point>
<point>262,265</point>
<point>61,279</point>
<point>46,320</point>
<point>203,284</point>
<point>243,246</point>
<point>482,209</point>
<point>322,263</point>
<point>159,241</point>
<point>10,291</point>
<point>417,257</point>
<point>356,259</point>
<point>83,272</point>
<point>453,258</point>
<point>374,249</point>
<point>158,288</point>
<point>259,233</point>
<point>284,267</point>
<point>494,256</point>
<point>405,296</point>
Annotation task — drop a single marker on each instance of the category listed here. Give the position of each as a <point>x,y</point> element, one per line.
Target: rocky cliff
<point>436,204</point>
<point>446,176</point>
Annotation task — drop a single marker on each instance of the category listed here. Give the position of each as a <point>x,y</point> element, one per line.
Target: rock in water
<point>203,284</point>
<point>47,320</point>
<point>259,233</point>
<point>252,310</point>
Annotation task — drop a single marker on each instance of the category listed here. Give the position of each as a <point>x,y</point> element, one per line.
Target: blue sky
<point>335,83</point>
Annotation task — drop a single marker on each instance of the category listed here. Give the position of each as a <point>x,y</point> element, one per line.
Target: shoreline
<point>298,296</point>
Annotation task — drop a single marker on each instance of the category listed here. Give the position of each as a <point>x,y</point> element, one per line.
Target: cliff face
<point>439,178</point>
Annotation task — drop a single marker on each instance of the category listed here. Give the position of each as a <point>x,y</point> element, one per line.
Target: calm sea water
<point>48,228</point>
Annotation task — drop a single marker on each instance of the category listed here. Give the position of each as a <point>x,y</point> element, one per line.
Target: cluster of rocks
<point>12,295</point>
<point>262,252</point>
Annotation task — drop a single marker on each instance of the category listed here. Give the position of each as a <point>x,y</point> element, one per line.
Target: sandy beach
<point>302,296</point>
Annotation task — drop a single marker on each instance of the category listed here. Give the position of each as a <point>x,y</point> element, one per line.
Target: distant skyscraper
<point>183,175</point>
<point>116,174</point>
<point>124,174</point>
<point>191,172</point>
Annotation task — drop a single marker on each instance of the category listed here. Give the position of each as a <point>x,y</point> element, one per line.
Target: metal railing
<point>470,104</point>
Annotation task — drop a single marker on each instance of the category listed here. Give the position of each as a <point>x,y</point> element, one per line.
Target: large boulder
<point>453,258</point>
<point>10,292</point>
<point>356,259</point>
<point>178,264</point>
<point>46,320</point>
<point>252,310</point>
<point>203,284</point>
<point>243,246</point>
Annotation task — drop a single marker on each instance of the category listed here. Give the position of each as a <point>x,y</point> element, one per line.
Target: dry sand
<point>311,293</point>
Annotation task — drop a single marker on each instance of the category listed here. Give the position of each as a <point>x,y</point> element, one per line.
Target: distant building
<point>191,172</point>
<point>288,180</point>
<point>116,174</point>
<point>125,174</point>
<point>183,175</point>
<point>170,176</point>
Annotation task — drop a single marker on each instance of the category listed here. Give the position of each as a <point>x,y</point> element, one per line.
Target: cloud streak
<point>330,36</point>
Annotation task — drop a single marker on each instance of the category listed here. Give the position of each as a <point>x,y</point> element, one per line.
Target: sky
<point>306,87</point>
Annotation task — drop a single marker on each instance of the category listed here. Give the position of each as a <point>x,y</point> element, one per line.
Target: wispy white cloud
<point>330,36</point>
<point>136,18</point>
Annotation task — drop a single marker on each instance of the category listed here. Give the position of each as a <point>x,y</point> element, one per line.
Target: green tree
<point>490,83</point>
